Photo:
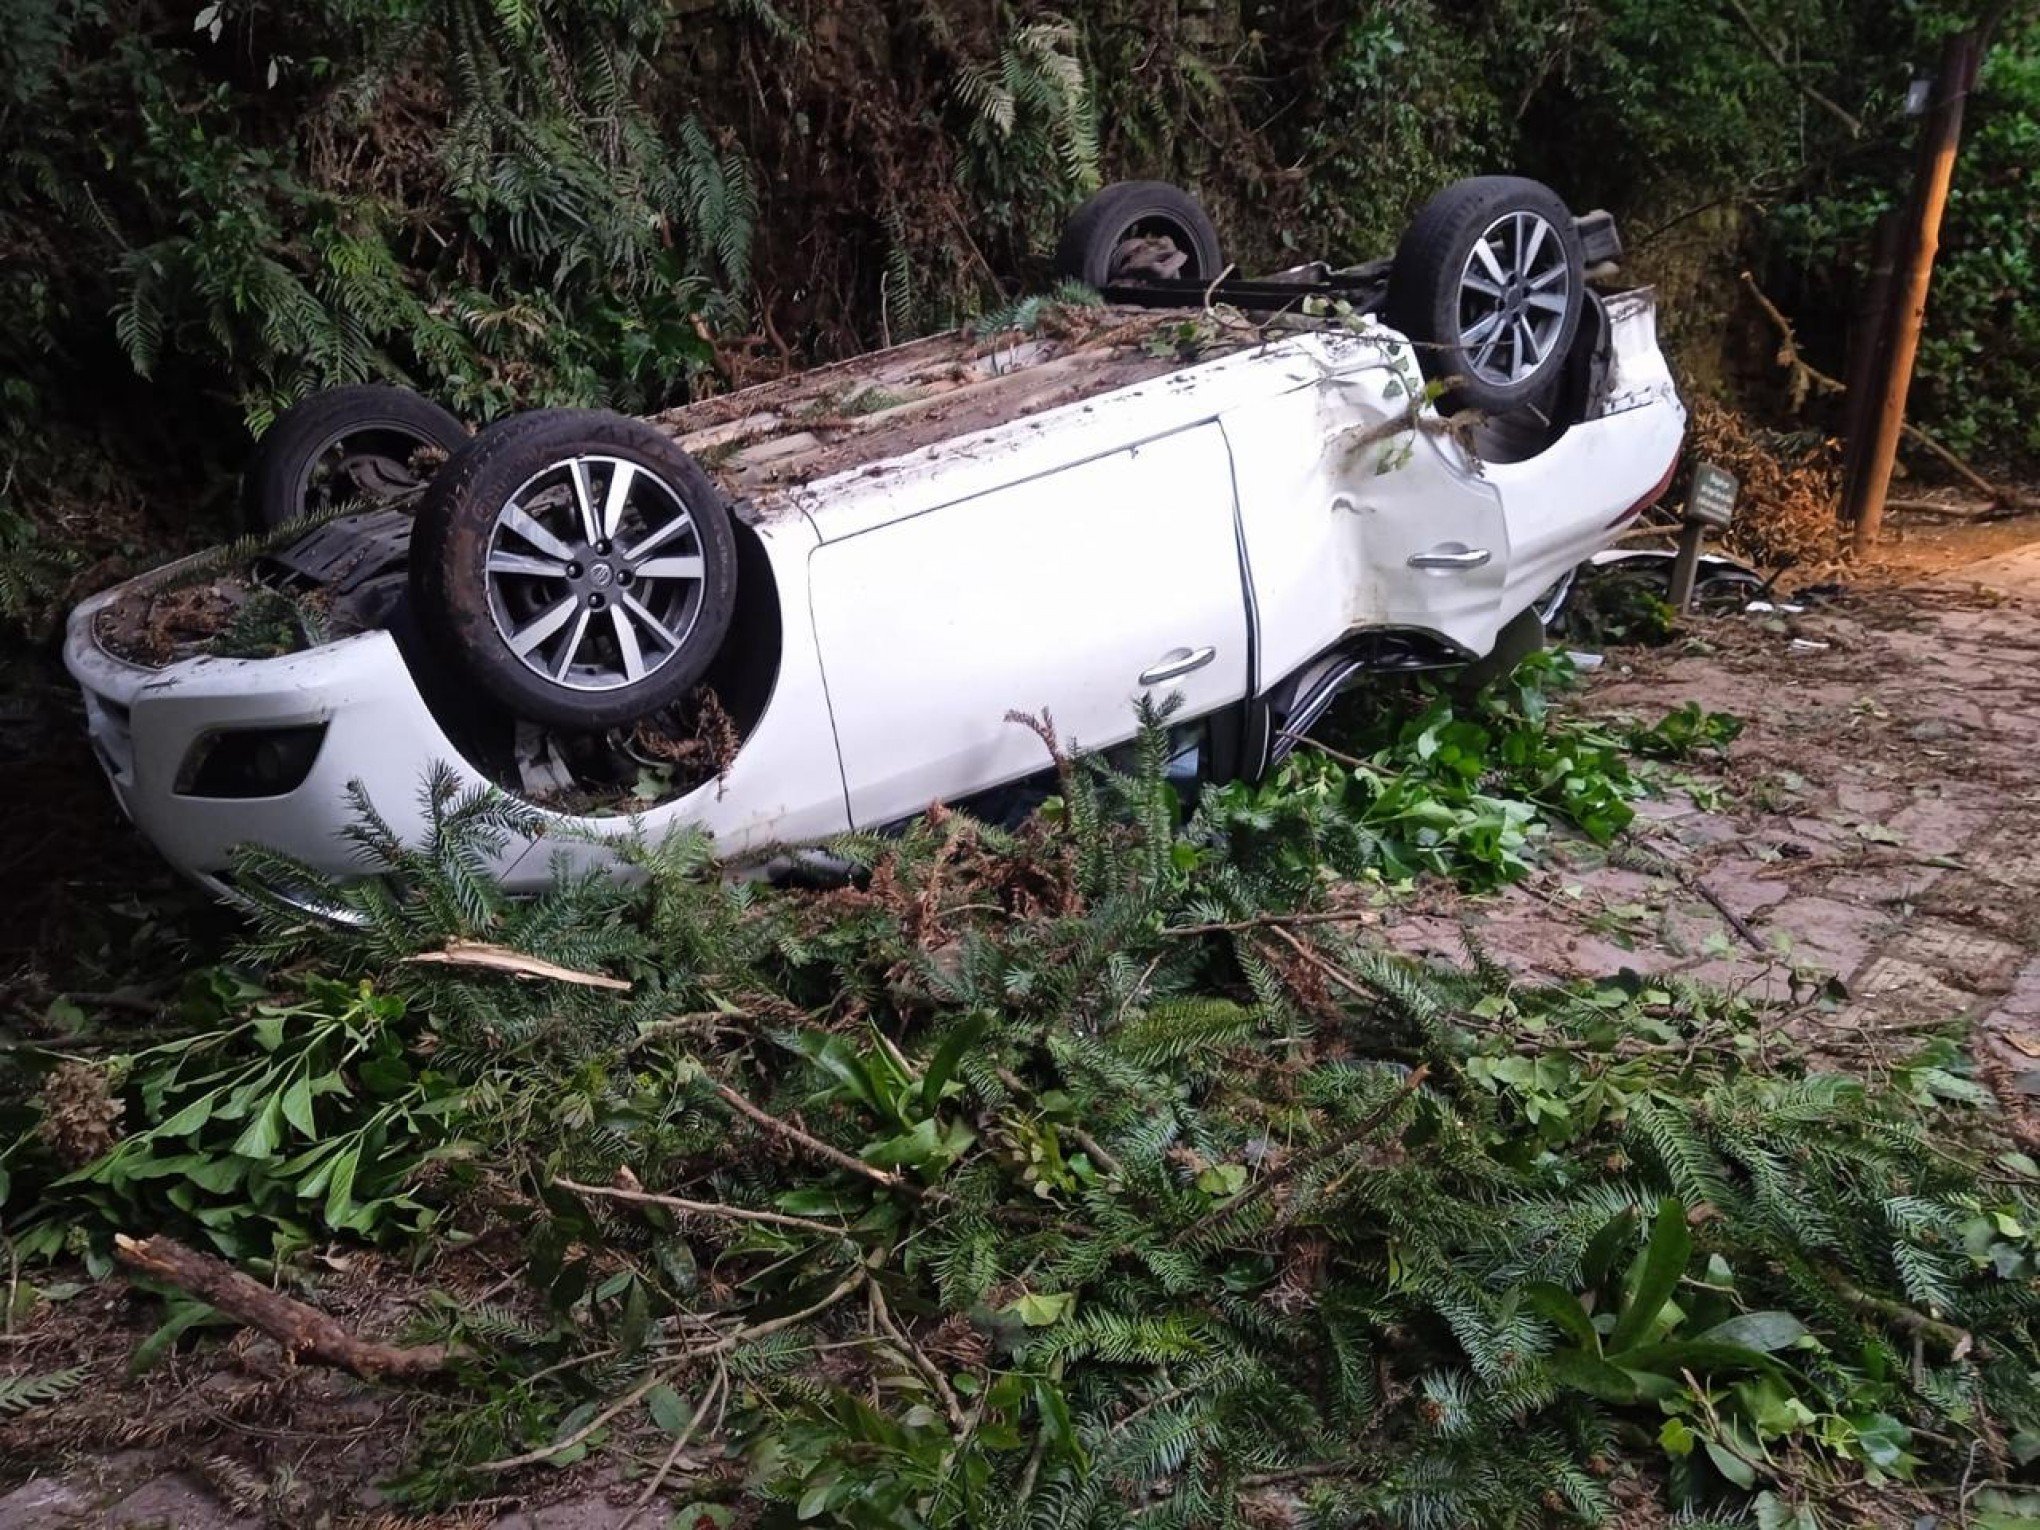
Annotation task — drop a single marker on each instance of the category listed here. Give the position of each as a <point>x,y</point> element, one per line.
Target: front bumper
<point>146,723</point>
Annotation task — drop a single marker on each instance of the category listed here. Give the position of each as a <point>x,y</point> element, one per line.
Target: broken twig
<point>304,1332</point>
<point>493,958</point>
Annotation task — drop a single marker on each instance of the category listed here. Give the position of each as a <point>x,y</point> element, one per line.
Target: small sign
<point>1712,500</point>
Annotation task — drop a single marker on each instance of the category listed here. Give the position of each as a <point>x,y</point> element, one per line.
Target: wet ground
<point>1870,848</point>
<point>1868,851</point>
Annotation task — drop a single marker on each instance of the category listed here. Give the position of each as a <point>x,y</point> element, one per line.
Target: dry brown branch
<point>1784,65</point>
<point>664,1373</point>
<point>1272,921</point>
<point>716,1209</point>
<point>716,1388</point>
<point>493,958</point>
<point>1803,373</point>
<point>815,1145</point>
<point>926,1368</point>
<point>304,1332</point>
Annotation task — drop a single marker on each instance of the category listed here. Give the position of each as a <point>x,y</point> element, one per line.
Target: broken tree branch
<point>702,1208</point>
<point>1777,56</point>
<point>492,958</point>
<point>1803,373</point>
<point>664,1373</point>
<point>304,1332</point>
<point>815,1145</point>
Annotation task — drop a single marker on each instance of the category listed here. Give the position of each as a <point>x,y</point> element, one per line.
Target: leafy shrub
<point>1975,381</point>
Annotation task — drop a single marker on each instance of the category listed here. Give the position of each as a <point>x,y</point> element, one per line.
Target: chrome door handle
<point>1177,661</point>
<point>1472,557</point>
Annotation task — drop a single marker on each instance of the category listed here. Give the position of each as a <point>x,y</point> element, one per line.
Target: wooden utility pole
<point>1868,470</point>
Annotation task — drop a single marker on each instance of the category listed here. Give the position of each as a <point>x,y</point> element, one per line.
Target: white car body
<point>1222,532</point>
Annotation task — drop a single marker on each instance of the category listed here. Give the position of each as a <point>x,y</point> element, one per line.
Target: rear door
<point>1077,591</point>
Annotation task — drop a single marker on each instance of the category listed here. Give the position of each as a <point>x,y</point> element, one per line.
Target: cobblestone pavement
<point>1870,847</point>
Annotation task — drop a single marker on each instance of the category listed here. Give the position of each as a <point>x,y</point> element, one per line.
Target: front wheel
<point>578,565</point>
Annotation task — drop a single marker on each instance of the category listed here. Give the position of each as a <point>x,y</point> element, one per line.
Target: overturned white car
<point>812,605</point>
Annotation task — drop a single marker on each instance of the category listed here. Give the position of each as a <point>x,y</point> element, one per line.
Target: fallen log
<point>304,1332</point>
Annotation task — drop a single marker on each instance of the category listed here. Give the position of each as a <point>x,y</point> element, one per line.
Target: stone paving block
<point>173,1503</point>
<point>1964,958</point>
<point>44,1504</point>
<point>1938,826</point>
<point>1824,933</point>
<point>1890,986</point>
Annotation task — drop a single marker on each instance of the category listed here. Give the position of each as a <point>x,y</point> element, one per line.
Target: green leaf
<point>1594,1376</point>
<point>264,1131</point>
<point>1563,1310</point>
<point>340,1188</point>
<point>297,1107</point>
<point>1669,1358</point>
<point>1040,1309</point>
<point>1764,1331</point>
<point>1606,1247</point>
<point>1656,1276</point>
<point>184,1316</point>
<point>666,1408</point>
<point>1883,1441</point>
<point>942,1066</point>
<point>1731,1465</point>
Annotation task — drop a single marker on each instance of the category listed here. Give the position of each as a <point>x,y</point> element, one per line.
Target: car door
<point>1077,591</point>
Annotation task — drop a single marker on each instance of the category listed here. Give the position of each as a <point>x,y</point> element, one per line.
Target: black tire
<point>469,612</point>
<point>1432,301</point>
<point>369,441</point>
<point>1135,209</point>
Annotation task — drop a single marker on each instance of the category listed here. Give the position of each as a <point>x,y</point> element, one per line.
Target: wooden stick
<point>304,1332</point>
<point>703,1208</point>
<point>493,958</point>
<point>1270,921</point>
<point>815,1145</point>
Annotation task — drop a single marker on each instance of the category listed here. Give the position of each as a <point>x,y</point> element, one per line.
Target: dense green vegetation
<point>209,208</point>
<point>1101,1172</point>
<point>1132,1179</point>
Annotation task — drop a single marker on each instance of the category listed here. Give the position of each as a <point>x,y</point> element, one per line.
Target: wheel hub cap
<point>1515,291</point>
<point>595,573</point>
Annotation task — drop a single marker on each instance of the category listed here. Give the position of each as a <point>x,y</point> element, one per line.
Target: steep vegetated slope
<point>211,206</point>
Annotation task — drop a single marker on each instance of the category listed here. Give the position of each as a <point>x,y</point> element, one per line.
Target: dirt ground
<point>1868,852</point>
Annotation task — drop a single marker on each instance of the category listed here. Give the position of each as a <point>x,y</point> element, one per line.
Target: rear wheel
<point>1489,282</point>
<point>1138,230</point>
<point>578,564</point>
<point>364,444</point>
